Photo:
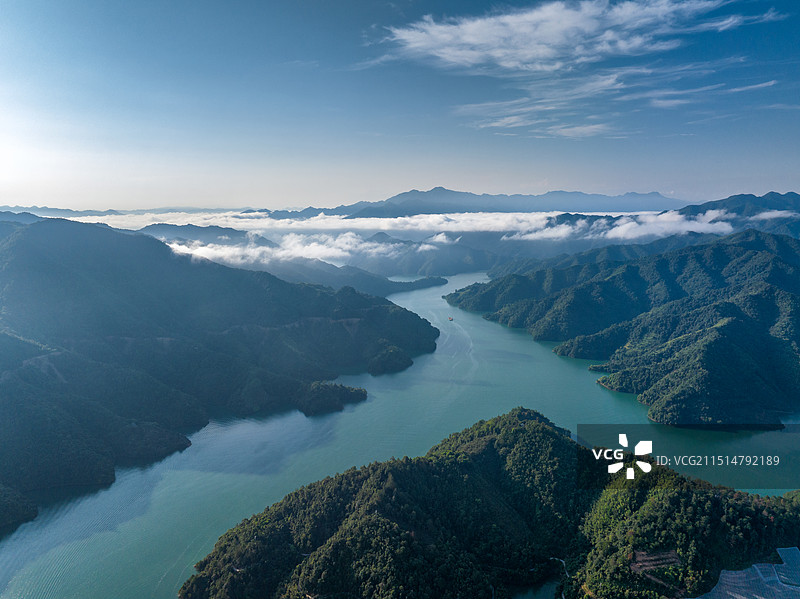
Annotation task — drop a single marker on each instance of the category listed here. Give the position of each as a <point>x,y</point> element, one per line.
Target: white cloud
<point>442,239</point>
<point>559,54</point>
<point>773,214</point>
<point>137,221</point>
<point>511,120</point>
<point>782,107</point>
<point>261,223</point>
<point>669,223</point>
<point>664,95</point>
<point>734,21</point>
<point>630,227</point>
<point>335,238</point>
<point>748,88</point>
<point>553,36</point>
<point>580,130</point>
<point>329,248</point>
<point>552,232</point>
<point>338,240</point>
<point>670,103</point>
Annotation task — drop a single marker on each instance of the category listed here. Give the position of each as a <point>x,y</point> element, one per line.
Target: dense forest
<point>113,347</point>
<point>483,514</point>
<point>706,334</point>
<point>606,255</point>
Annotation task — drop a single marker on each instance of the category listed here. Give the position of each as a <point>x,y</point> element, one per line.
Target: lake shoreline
<point>161,519</point>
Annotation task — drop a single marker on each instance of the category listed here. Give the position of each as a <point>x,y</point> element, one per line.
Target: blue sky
<point>112,104</point>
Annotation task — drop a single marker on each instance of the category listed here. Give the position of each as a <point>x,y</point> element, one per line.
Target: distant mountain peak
<point>648,194</point>
<point>382,237</point>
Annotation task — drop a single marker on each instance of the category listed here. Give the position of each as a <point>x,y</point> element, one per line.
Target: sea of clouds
<point>336,239</point>
<point>516,224</point>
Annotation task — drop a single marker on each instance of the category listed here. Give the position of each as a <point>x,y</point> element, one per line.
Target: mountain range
<point>480,243</point>
<point>114,347</point>
<point>706,334</point>
<point>432,201</point>
<point>442,201</point>
<point>566,233</point>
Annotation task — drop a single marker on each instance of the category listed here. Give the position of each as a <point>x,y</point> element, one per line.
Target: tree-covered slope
<point>478,512</point>
<point>606,255</point>
<point>481,515</point>
<point>113,347</point>
<point>704,334</point>
<point>748,206</point>
<point>666,536</point>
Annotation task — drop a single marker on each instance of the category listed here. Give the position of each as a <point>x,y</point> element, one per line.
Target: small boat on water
<point>449,318</point>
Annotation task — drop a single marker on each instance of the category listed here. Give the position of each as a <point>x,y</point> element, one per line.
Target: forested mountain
<point>603,255</point>
<point>706,334</point>
<point>773,212</point>
<point>749,206</point>
<point>24,218</point>
<point>482,514</point>
<point>113,347</point>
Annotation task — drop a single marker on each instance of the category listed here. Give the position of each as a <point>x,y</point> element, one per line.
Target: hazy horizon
<point>158,208</point>
<point>188,206</point>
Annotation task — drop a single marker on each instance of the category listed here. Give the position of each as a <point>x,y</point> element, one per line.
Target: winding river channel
<point>140,537</point>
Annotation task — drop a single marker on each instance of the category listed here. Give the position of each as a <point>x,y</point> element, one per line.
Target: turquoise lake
<point>140,537</point>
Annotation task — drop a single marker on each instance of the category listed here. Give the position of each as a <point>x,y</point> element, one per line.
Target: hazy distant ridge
<point>440,200</point>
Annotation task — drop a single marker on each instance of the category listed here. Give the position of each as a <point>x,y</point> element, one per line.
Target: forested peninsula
<point>490,511</point>
<point>706,334</point>
<point>113,348</point>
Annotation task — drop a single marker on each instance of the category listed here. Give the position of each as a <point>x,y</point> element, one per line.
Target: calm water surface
<point>140,537</point>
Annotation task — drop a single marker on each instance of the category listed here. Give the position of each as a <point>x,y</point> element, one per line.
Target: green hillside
<point>113,348</point>
<point>607,254</point>
<point>706,334</point>
<point>481,515</point>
